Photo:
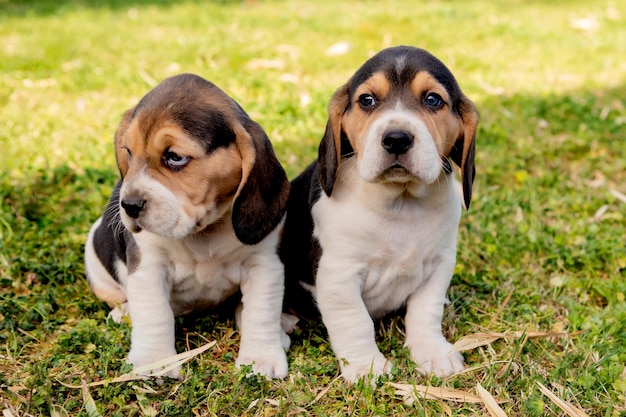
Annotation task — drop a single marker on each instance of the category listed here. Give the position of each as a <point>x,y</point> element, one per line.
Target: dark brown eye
<point>174,161</point>
<point>434,101</point>
<point>367,101</point>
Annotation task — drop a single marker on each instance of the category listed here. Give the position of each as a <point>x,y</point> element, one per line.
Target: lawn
<point>542,251</point>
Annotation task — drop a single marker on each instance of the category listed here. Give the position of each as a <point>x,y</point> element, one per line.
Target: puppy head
<point>188,154</point>
<point>402,115</point>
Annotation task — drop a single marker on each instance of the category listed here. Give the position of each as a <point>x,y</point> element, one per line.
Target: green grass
<point>545,227</point>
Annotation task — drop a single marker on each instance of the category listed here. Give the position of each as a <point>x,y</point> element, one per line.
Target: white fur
<point>165,214</point>
<point>422,161</point>
<point>180,273</point>
<point>382,248</point>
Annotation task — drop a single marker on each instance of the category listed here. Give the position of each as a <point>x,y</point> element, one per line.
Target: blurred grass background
<point>542,247</point>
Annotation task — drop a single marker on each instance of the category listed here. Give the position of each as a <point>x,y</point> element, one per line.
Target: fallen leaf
<point>620,196</point>
<point>144,404</point>
<point>153,369</point>
<point>567,407</point>
<point>90,404</point>
<point>410,393</point>
<point>339,48</point>
<point>475,340</point>
<point>492,405</point>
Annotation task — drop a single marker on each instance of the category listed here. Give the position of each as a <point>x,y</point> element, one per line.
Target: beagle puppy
<point>371,226</point>
<point>194,219</point>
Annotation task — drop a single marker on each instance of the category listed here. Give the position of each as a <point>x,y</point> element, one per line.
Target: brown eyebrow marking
<point>377,84</point>
<point>424,81</point>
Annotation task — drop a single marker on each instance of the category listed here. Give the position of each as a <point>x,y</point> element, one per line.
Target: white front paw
<point>119,312</point>
<point>436,357</point>
<point>285,341</point>
<point>142,362</point>
<point>267,361</point>
<point>366,366</point>
<point>288,322</point>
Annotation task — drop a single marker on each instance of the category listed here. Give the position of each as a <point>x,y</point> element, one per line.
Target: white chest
<point>390,249</point>
<point>200,272</point>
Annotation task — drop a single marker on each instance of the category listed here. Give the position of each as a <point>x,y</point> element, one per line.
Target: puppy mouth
<point>397,173</point>
<point>131,224</point>
<point>134,227</point>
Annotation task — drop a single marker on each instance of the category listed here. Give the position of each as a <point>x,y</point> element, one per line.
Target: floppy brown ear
<point>261,199</point>
<point>329,154</point>
<point>121,155</point>
<point>464,149</point>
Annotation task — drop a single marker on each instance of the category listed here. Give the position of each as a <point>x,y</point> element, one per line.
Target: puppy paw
<point>437,358</point>
<point>288,322</point>
<point>269,362</point>
<point>119,312</point>
<point>154,364</point>
<point>363,367</point>
<point>285,341</point>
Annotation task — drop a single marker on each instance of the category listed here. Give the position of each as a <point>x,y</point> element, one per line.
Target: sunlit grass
<point>542,247</point>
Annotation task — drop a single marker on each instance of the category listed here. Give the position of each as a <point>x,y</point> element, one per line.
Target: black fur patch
<point>209,126</point>
<point>401,64</point>
<point>299,250</point>
<point>260,205</point>
<point>112,241</point>
<point>185,99</point>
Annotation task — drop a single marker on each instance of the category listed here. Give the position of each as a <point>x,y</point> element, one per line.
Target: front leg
<point>152,335</point>
<point>349,324</point>
<point>263,341</point>
<point>429,348</point>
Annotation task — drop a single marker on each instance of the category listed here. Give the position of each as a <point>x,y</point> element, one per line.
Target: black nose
<point>397,142</point>
<point>133,206</point>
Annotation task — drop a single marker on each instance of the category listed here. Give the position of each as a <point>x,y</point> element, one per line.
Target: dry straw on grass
<point>155,369</point>
<point>570,409</point>
<point>475,340</point>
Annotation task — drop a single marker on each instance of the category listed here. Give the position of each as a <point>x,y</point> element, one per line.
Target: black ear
<point>330,150</point>
<point>464,150</point>
<point>261,199</point>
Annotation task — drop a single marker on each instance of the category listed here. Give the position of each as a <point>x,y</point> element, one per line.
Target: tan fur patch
<point>378,85</point>
<point>121,154</point>
<point>357,121</point>
<point>425,82</point>
<point>444,125</point>
<point>206,180</point>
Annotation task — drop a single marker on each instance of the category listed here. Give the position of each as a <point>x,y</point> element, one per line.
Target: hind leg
<point>104,286</point>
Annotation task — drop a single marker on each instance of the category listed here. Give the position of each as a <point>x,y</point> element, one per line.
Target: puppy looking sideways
<point>371,226</point>
<point>193,220</point>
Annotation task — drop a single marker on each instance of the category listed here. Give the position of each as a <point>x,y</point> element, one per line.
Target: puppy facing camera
<point>372,225</point>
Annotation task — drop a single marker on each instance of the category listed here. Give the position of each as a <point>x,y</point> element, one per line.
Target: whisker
<point>112,211</point>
